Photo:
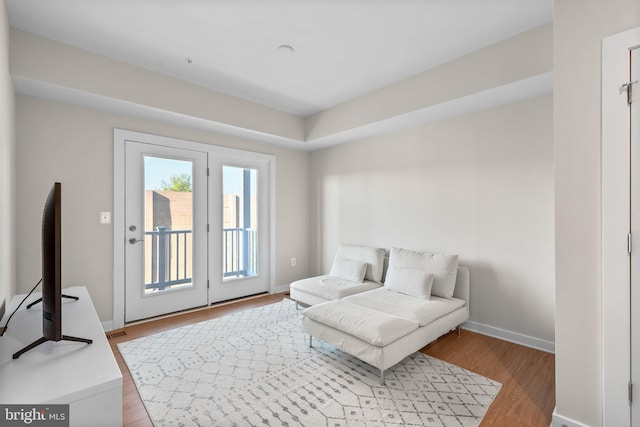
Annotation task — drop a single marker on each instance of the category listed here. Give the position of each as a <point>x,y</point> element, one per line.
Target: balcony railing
<point>170,256</point>
<point>239,252</point>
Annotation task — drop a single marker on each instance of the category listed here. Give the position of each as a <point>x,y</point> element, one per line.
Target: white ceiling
<point>342,48</point>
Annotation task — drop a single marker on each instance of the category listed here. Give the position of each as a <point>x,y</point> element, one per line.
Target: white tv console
<point>85,376</point>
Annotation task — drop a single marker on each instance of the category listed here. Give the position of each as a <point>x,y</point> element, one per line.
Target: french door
<point>165,229</point>
<point>193,225</point>
<point>620,175</point>
<point>239,201</point>
<point>634,112</point>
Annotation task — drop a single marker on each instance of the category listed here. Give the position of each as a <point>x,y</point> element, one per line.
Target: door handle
<point>133,240</point>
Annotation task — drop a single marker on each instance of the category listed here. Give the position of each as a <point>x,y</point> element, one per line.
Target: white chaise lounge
<point>385,325</point>
<point>355,269</point>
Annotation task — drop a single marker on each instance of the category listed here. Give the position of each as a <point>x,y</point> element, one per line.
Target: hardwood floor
<point>527,397</point>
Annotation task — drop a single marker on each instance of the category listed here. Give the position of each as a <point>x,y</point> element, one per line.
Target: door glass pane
<point>168,224</point>
<point>240,222</point>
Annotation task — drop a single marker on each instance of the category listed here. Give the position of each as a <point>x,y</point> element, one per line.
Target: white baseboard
<point>282,289</point>
<point>510,336</point>
<point>107,326</point>
<point>560,421</point>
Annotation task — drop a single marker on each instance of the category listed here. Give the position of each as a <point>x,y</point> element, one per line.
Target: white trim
<point>119,138</point>
<point>616,313</point>
<point>558,420</point>
<point>510,336</point>
<point>272,224</point>
<point>282,289</point>
<point>108,326</point>
<point>118,228</point>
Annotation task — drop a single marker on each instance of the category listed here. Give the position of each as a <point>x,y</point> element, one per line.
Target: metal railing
<point>239,252</point>
<point>171,255</point>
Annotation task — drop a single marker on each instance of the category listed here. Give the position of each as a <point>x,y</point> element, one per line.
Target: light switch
<point>105,217</point>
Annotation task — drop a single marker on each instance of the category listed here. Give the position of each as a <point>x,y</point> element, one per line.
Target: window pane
<point>240,222</point>
<point>168,224</point>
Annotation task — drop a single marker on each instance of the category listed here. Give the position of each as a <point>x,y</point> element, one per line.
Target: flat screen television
<point>52,273</point>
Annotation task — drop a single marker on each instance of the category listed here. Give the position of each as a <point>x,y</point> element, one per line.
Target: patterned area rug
<point>254,368</point>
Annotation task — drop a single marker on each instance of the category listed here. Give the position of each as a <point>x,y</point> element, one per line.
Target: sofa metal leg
<point>458,330</point>
<point>381,377</point>
<point>310,341</point>
<point>297,305</point>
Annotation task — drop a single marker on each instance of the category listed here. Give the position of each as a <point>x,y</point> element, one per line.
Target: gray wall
<point>579,27</point>
<point>74,145</point>
<point>7,169</point>
<point>479,185</point>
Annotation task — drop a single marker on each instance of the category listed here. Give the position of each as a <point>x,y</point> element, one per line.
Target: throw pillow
<point>444,268</point>
<point>409,281</point>
<point>374,257</point>
<point>348,269</point>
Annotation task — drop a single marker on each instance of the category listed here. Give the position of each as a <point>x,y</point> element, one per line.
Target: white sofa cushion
<point>409,281</point>
<point>416,309</point>
<point>374,257</point>
<point>375,327</point>
<point>348,269</point>
<point>443,268</point>
<point>331,288</point>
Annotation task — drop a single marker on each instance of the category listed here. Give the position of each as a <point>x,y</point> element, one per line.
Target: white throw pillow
<point>409,281</point>
<point>374,257</point>
<point>444,268</point>
<point>348,269</point>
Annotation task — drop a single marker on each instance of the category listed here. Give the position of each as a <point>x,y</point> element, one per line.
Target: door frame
<point>616,220</point>
<point>119,227</point>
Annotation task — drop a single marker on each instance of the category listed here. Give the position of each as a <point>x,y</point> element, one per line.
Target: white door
<point>239,264</point>
<point>634,111</point>
<point>165,230</point>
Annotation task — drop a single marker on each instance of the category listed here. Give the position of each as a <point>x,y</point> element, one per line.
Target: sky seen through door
<point>158,169</point>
